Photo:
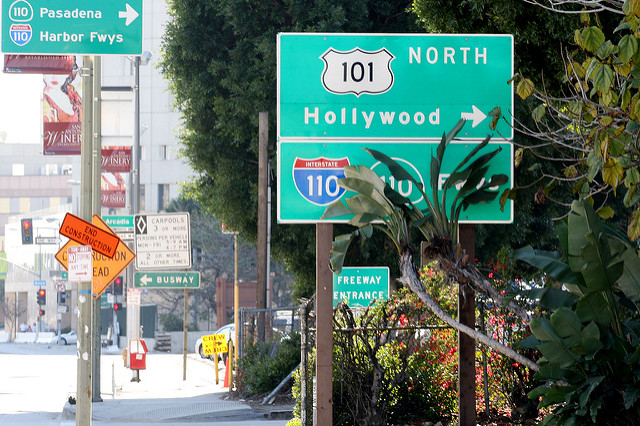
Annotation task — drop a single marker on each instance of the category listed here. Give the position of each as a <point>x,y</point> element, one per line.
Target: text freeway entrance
<point>83,27</point>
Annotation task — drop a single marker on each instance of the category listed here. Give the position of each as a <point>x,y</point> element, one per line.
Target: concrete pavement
<point>163,397</point>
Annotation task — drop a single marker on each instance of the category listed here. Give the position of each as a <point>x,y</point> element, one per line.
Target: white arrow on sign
<point>477,116</point>
<point>130,14</point>
<point>145,280</point>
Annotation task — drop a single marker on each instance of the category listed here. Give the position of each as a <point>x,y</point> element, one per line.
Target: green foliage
<point>375,200</point>
<point>589,342</point>
<point>264,365</point>
<point>173,322</point>
<point>220,59</point>
<point>388,372</point>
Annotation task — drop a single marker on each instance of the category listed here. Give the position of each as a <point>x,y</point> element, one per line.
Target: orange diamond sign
<point>105,269</point>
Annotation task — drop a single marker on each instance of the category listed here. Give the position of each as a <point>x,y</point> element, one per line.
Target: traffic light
<point>27,231</point>
<point>42,296</point>
<point>117,306</point>
<point>41,312</point>
<point>118,285</point>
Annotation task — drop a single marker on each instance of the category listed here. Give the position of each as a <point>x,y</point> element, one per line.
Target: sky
<point>20,106</point>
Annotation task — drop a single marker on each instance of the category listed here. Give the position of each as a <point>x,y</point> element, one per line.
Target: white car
<point>70,338</point>
<point>228,330</point>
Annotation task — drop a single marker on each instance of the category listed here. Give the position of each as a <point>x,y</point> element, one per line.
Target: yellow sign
<point>214,343</point>
<point>105,269</point>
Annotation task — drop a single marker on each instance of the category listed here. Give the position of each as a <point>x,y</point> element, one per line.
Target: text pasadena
<point>354,116</point>
<point>70,14</point>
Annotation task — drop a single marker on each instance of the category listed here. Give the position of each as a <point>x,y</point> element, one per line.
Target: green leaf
<point>592,383</point>
<point>633,229</point>
<point>339,250</point>
<point>606,212</point>
<point>593,307</point>
<point>612,173</point>
<point>566,323</point>
<point>592,38</point>
<point>631,395</point>
<point>629,282</point>
<point>547,262</point>
<point>603,78</point>
<point>628,46</point>
<point>525,88</point>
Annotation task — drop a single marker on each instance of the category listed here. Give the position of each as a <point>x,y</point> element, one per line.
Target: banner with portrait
<point>62,114</point>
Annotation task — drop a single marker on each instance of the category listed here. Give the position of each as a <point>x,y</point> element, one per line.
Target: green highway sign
<point>80,27</point>
<point>309,171</point>
<point>393,86</point>
<point>359,286</point>
<point>119,222</point>
<point>166,279</point>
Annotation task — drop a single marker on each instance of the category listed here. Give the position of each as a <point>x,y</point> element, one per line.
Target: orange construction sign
<point>105,269</point>
<point>104,242</point>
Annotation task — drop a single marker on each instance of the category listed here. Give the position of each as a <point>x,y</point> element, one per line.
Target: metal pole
<point>185,329</point>
<point>96,207</point>
<point>83,398</point>
<point>133,311</point>
<point>236,294</point>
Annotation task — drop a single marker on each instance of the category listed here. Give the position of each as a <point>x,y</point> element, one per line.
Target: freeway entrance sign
<point>392,86</point>
<point>359,286</point>
<point>81,27</point>
<point>166,279</point>
<point>309,171</point>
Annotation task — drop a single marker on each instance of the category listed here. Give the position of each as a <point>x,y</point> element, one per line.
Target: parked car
<point>228,330</point>
<point>69,338</point>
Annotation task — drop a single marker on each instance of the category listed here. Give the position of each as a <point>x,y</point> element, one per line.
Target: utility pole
<point>96,207</point>
<point>83,395</point>
<point>263,176</point>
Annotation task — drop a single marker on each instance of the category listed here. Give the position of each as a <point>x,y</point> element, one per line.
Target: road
<point>37,380</point>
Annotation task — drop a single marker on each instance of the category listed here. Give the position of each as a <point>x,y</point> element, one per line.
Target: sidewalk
<point>163,397</point>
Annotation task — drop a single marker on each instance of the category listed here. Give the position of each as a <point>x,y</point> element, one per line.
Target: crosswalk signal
<point>117,306</point>
<point>42,296</point>
<point>27,231</point>
<point>41,312</point>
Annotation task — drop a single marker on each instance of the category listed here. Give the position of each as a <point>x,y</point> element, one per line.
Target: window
<point>17,169</point>
<point>163,196</point>
<point>162,152</point>
<point>142,206</point>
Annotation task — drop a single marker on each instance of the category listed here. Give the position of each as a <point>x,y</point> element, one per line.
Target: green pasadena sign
<point>309,172</point>
<point>359,286</point>
<point>398,86</point>
<point>83,27</point>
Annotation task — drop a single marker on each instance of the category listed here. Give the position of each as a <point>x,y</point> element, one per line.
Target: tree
<point>538,37</point>
<point>220,60</point>
<point>375,201</point>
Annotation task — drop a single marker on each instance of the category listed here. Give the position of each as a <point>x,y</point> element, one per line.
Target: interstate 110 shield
<point>309,172</point>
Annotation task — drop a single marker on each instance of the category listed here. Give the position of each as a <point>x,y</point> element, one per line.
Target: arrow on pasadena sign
<point>130,15</point>
<point>105,269</point>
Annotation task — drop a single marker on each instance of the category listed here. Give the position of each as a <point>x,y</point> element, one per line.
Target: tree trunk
<point>410,278</point>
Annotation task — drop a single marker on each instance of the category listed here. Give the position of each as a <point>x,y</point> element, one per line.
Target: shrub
<point>265,364</point>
